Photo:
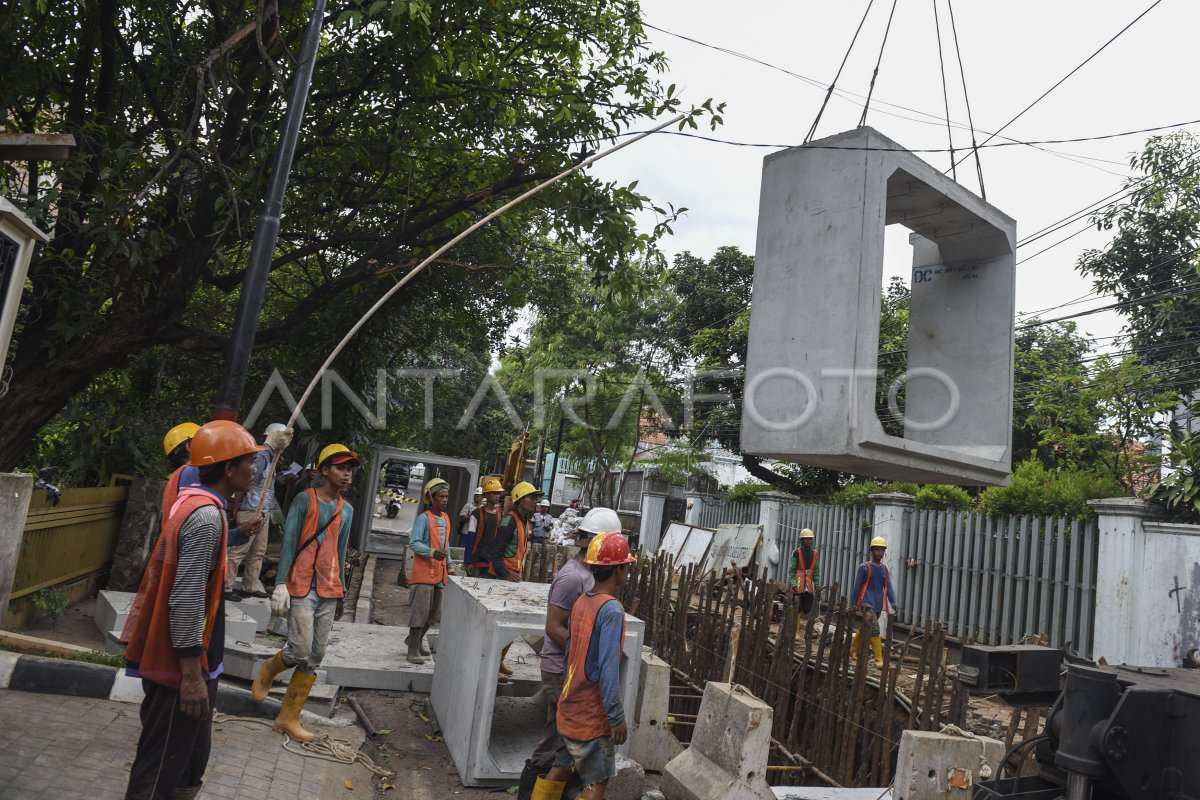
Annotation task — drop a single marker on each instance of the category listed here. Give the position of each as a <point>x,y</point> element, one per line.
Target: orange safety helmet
<point>608,550</point>
<point>221,440</point>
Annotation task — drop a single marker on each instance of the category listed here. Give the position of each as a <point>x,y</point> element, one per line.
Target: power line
<point>937,26</point>
<point>966,98</point>
<point>1064,78</point>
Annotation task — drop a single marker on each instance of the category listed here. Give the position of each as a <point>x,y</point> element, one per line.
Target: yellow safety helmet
<point>178,435</point>
<point>523,489</point>
<point>879,541</point>
<point>492,485</point>
<point>337,449</point>
<point>433,484</point>
<point>807,534</point>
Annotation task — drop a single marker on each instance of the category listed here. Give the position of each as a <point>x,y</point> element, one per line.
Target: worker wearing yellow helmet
<point>176,447</point>
<point>311,581</point>
<point>873,589</point>
<point>482,529</point>
<point>804,571</point>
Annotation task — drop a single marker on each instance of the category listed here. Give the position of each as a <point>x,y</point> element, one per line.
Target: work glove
<point>280,601</point>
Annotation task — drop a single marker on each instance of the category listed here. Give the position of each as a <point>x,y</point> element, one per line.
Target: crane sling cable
<point>412,273</point>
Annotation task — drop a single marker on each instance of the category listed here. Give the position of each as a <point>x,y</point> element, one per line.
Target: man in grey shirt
<point>250,555</point>
<point>571,581</point>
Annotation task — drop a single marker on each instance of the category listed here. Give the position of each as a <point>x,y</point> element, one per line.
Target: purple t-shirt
<point>571,581</point>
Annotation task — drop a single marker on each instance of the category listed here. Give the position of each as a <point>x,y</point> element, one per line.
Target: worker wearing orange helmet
<point>311,580</point>
<point>873,589</point>
<point>590,715</point>
<point>175,632</point>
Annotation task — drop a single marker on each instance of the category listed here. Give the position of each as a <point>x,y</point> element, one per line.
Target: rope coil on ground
<point>324,747</point>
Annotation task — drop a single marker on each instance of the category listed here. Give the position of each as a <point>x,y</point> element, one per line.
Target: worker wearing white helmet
<point>873,589</point>
<point>250,555</point>
<point>570,582</point>
<point>541,522</point>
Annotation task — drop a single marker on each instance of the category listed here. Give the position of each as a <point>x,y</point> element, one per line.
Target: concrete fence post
<point>770,517</point>
<point>890,521</point>
<point>654,506</point>
<point>1147,609</point>
<point>15,491</point>
<point>695,507</point>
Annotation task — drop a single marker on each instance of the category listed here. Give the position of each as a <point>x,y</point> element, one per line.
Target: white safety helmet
<point>478,491</point>
<point>599,520</point>
<point>274,426</point>
<point>543,502</point>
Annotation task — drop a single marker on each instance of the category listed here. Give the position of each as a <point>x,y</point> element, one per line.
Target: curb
<point>26,673</point>
<point>366,590</point>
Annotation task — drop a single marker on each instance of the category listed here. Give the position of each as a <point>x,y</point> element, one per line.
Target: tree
<point>423,116</point>
<point>1050,367</point>
<point>1152,264</point>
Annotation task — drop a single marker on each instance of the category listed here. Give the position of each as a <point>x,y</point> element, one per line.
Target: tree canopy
<point>423,116</point>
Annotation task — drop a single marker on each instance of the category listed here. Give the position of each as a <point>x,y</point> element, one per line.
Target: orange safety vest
<point>516,562</point>
<point>171,492</point>
<point>581,713</point>
<point>804,573</point>
<point>862,594</point>
<point>321,558</point>
<point>147,631</point>
<point>487,523</point>
<point>426,569</point>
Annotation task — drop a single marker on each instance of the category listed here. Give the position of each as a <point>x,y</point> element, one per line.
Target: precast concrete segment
<point>489,734</point>
<point>811,387</point>
<point>940,766</point>
<point>112,611</point>
<point>651,742</point>
<point>727,757</point>
<point>15,491</point>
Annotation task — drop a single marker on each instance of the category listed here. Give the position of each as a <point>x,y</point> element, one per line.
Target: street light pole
<point>266,235</point>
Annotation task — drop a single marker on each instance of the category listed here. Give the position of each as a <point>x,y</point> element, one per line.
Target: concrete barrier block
<point>651,742</point>
<point>727,758</point>
<point>257,608</point>
<point>491,729</point>
<point>239,626</point>
<point>942,766</point>
<point>629,782</point>
<point>112,610</point>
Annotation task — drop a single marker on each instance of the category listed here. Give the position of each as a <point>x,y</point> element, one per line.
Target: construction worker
<point>541,522</point>
<point>176,446</point>
<point>512,538</point>
<point>804,571</point>
<point>175,632</point>
<point>312,579</point>
<point>250,555</point>
<point>873,589</point>
<point>427,578</point>
<point>482,529</point>
<point>591,719</point>
<point>464,514</point>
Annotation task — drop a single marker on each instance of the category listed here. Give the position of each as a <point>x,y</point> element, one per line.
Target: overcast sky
<point>1012,52</point>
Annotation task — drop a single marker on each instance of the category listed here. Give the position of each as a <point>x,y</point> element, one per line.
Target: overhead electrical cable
<point>967,100</point>
<point>937,26</point>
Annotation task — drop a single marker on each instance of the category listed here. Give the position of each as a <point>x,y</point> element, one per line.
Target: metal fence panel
<point>75,538</point>
<point>736,512</point>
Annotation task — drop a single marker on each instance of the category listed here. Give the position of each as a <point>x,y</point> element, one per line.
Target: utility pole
<point>562,418</point>
<point>245,326</point>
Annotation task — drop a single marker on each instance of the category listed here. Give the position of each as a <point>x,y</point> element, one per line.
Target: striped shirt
<point>199,549</point>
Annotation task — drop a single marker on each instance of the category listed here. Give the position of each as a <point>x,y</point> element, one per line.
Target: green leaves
<point>1179,491</point>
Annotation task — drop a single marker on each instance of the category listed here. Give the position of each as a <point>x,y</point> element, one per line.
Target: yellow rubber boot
<point>548,790</point>
<point>877,650</point>
<point>505,670</point>
<point>266,676</point>
<point>854,646</point>
<point>288,720</point>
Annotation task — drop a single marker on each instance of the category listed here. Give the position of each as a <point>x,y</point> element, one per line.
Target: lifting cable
<point>937,26</point>
<point>829,92</point>
<point>967,101</point>
<point>871,89</point>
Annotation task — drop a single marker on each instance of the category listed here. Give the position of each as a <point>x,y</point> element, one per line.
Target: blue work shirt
<point>874,596</point>
<point>603,663</point>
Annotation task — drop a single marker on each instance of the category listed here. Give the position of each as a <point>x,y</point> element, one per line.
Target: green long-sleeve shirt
<point>295,521</point>
<point>808,559</point>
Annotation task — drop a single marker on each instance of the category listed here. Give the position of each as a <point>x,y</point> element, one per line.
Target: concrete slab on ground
<point>112,611</point>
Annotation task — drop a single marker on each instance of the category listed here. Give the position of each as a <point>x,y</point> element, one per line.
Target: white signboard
<point>686,544</point>
<point>733,546</point>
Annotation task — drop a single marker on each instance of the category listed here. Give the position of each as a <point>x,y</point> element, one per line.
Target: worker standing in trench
<point>175,632</point>
<point>508,552</point>
<point>806,575</point>
<point>571,581</point>
<point>591,717</point>
<point>427,578</point>
<point>873,589</point>
<point>312,579</point>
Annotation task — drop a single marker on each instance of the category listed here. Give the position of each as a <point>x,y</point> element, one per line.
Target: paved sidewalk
<point>54,746</point>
